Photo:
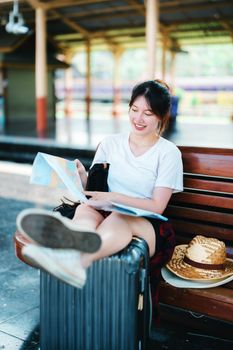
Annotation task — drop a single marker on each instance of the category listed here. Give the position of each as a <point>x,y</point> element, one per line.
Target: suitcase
<point>111,312</point>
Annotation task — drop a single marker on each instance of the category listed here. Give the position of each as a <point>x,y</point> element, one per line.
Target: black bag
<point>96,181</point>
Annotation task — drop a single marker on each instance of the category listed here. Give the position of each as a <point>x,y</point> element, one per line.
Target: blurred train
<point>102,90</point>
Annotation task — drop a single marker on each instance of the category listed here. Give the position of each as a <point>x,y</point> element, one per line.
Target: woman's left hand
<point>99,200</point>
<point>100,196</point>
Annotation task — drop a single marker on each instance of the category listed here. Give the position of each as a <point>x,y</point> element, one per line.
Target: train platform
<point>78,138</point>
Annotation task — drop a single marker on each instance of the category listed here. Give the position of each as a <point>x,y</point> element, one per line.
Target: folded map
<point>52,171</point>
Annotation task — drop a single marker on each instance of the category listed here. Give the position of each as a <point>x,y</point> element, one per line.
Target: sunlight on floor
<point>15,168</point>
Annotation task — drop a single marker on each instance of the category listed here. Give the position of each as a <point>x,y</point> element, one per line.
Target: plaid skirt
<point>165,244</point>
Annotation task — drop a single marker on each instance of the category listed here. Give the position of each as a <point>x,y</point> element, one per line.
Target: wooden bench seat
<point>206,208</point>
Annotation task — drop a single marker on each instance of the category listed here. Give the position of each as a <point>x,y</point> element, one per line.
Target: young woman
<point>145,169</point>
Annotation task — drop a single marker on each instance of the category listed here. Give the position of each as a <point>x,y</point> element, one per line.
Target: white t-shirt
<point>160,166</point>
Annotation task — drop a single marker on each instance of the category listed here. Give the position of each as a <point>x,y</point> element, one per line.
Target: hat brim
<point>178,267</point>
<point>179,282</point>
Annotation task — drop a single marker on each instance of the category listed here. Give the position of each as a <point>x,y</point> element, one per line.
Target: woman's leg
<point>116,232</point>
<point>87,218</point>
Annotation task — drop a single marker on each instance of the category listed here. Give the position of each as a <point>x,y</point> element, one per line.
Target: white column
<point>88,79</point>
<point>68,111</point>
<point>151,36</point>
<point>164,54</point>
<point>172,69</point>
<point>41,72</point>
<point>116,82</point>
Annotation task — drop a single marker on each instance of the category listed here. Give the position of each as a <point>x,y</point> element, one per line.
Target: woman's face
<point>142,119</point>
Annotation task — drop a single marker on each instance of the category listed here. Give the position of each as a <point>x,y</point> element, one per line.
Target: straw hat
<point>203,259</point>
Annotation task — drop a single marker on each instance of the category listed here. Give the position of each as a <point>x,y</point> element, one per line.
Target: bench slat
<point>196,322</point>
<point>208,185</point>
<point>184,227</point>
<point>203,199</point>
<point>173,211</point>
<point>214,302</point>
<point>208,161</point>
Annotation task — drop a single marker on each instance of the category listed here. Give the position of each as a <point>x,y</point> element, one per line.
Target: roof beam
<point>110,33</point>
<point>177,6</point>
<point>201,20</point>
<point>36,3</point>
<point>6,49</point>
<point>76,27</point>
<point>165,7</point>
<point>96,12</point>
<point>106,15</point>
<point>73,25</point>
<point>54,4</point>
<point>227,27</point>
<point>87,35</point>
<point>176,3</point>
<point>136,6</point>
<point>127,43</point>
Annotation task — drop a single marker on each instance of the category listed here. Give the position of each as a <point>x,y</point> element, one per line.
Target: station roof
<point>113,24</point>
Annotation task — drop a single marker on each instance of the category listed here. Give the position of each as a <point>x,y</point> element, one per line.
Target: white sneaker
<point>53,230</point>
<point>62,263</point>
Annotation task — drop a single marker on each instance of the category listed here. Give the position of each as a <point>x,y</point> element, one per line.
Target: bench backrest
<point>206,205</point>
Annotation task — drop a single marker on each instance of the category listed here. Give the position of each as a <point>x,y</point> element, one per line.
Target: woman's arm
<point>156,204</point>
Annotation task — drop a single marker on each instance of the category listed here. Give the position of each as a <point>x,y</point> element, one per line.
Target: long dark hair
<point>158,96</point>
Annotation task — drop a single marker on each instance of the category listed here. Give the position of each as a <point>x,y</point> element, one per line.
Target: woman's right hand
<point>81,172</point>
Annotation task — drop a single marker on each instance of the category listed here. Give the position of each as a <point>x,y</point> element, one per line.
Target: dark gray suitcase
<point>110,313</point>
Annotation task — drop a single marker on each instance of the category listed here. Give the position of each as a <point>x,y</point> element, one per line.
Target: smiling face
<point>152,100</point>
<point>142,119</point>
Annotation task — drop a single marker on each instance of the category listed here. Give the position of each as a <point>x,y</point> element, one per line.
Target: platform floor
<point>80,133</point>
<point>19,283</point>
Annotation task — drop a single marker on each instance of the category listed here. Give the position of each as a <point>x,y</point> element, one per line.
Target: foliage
<point>201,60</point>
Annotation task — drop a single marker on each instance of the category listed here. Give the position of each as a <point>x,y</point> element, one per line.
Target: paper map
<point>52,171</point>
<point>56,172</point>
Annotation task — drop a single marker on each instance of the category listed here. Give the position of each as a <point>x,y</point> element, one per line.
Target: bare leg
<point>116,232</point>
<point>87,217</point>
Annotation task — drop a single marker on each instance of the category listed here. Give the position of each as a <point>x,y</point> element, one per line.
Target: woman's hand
<point>100,196</point>
<point>156,204</point>
<point>99,199</point>
<point>81,172</point>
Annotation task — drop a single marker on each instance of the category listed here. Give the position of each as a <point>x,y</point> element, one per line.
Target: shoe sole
<point>52,232</point>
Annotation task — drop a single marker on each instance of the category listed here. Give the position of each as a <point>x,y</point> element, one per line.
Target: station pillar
<point>41,73</point>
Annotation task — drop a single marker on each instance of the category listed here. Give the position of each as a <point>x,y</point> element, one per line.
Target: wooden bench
<point>205,207</point>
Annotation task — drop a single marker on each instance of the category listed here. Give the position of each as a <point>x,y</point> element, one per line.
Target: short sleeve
<point>101,153</point>
<point>170,171</point>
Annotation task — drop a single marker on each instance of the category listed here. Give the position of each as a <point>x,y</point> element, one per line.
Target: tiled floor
<point>19,298</point>
<point>19,283</point>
